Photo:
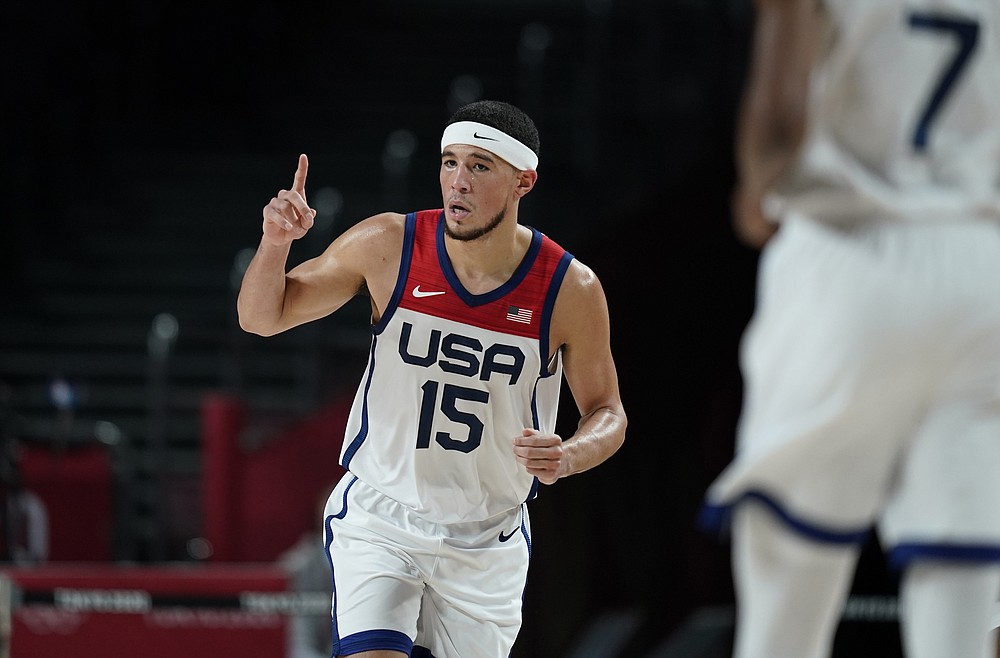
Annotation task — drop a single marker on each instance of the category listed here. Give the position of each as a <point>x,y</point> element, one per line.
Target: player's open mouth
<point>457,210</point>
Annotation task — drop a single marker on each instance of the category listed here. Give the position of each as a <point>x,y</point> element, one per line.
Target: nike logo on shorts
<point>504,537</point>
<point>417,292</point>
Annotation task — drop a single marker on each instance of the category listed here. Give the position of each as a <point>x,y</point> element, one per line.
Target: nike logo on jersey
<point>504,537</point>
<point>478,136</point>
<point>417,292</point>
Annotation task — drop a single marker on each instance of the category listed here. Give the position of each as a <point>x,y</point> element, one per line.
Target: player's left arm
<point>581,325</point>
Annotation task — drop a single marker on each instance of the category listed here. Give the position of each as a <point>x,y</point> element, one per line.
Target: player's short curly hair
<point>502,116</point>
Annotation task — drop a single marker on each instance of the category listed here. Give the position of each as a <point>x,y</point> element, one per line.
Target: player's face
<point>477,189</point>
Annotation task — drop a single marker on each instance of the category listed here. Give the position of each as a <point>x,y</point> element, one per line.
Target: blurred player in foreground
<point>869,159</point>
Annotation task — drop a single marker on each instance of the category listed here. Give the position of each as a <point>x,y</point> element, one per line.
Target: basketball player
<point>475,320</point>
<point>869,160</point>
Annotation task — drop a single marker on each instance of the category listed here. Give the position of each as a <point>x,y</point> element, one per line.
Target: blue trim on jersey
<point>515,280</point>
<point>545,323</point>
<point>328,539</point>
<point>362,434</point>
<point>533,491</point>
<point>524,526</point>
<point>409,237</point>
<point>718,518</point>
<point>534,404</point>
<point>343,503</point>
<point>902,555</point>
<point>544,327</point>
<point>381,639</point>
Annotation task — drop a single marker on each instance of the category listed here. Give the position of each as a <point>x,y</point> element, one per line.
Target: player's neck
<point>488,262</point>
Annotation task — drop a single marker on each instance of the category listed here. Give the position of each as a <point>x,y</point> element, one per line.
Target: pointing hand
<point>288,216</point>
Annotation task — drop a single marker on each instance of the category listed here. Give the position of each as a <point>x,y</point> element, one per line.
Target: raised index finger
<point>299,184</point>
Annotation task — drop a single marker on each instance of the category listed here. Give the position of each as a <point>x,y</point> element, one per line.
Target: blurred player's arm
<point>772,113</point>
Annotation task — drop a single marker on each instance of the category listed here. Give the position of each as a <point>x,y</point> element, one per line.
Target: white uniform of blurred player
<point>870,134</point>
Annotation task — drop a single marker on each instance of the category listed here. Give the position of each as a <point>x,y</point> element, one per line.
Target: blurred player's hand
<point>288,216</point>
<point>751,226</point>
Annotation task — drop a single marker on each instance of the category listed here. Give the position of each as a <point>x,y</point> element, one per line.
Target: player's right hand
<point>751,226</point>
<point>288,216</point>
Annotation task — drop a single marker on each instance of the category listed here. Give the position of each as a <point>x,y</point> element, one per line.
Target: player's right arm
<point>365,256</point>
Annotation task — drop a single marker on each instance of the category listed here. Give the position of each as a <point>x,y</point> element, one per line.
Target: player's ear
<point>525,181</point>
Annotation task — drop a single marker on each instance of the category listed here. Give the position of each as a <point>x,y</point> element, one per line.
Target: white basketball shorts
<point>872,387</point>
<point>403,583</point>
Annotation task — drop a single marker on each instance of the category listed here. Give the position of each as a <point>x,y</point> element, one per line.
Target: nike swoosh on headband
<point>502,144</point>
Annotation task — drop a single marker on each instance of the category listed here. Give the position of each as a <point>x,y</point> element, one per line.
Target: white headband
<point>492,140</point>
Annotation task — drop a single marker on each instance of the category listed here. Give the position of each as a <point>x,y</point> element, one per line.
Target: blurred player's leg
<point>949,610</point>
<point>791,590</point>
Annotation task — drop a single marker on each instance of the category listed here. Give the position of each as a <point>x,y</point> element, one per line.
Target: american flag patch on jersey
<point>515,314</point>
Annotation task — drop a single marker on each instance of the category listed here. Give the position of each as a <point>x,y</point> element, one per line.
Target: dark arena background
<point>181,463</point>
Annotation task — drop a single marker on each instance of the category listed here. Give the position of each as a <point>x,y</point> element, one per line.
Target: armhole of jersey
<point>404,271</point>
<point>550,302</point>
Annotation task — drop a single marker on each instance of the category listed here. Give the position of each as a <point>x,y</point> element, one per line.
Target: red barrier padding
<point>94,611</point>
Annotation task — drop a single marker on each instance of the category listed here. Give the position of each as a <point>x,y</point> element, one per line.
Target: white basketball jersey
<point>905,115</point>
<point>452,378</point>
